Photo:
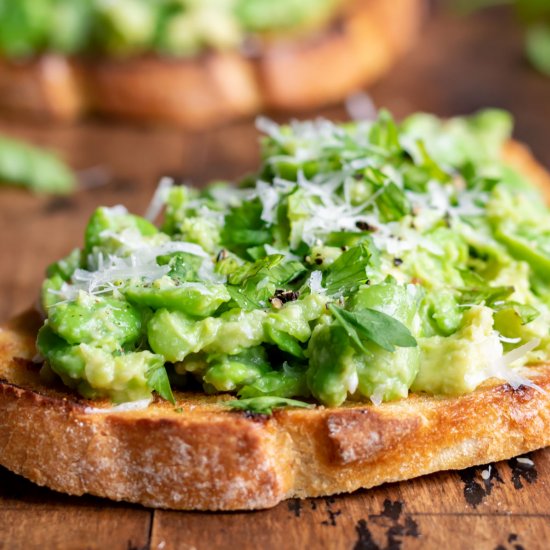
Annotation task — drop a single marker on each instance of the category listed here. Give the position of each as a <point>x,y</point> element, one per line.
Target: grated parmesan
<point>159,199</point>
<point>315,282</point>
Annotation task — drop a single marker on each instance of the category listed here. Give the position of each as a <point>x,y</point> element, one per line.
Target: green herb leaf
<point>286,272</point>
<point>183,266</point>
<point>244,228</point>
<point>370,324</point>
<point>284,341</point>
<point>157,380</point>
<point>266,404</point>
<point>487,295</point>
<point>255,282</point>
<point>348,271</point>
<point>384,132</point>
<point>242,298</point>
<point>392,203</point>
<point>250,270</point>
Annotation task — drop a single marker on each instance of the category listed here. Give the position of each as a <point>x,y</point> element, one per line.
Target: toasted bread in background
<point>199,455</point>
<point>288,73</point>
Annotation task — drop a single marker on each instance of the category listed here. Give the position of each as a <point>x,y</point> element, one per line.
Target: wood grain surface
<point>459,66</point>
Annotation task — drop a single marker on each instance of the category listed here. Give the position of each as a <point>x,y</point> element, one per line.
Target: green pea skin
<point>196,299</point>
<point>287,382</point>
<point>524,249</point>
<point>229,373</point>
<point>104,219</point>
<point>64,359</point>
<point>383,373</point>
<point>105,322</point>
<point>332,369</point>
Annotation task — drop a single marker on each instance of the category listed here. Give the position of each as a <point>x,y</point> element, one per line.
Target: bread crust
<point>199,455</point>
<point>294,73</point>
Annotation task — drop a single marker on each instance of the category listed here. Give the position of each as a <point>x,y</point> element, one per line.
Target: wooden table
<point>459,66</point>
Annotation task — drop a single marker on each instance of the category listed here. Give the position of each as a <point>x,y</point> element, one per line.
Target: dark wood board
<point>458,66</point>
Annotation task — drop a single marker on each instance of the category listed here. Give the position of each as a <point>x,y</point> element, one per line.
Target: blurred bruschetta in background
<point>195,64</point>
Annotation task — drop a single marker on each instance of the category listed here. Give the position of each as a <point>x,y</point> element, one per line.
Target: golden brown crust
<point>202,456</point>
<point>199,455</point>
<point>287,74</point>
<point>354,53</point>
<point>50,87</point>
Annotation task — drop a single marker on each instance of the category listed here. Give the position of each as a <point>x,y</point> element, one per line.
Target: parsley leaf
<point>392,203</point>
<point>487,294</point>
<point>183,266</point>
<point>348,271</point>
<point>157,380</point>
<point>370,324</point>
<point>384,133</point>
<point>243,298</point>
<point>249,271</point>
<point>255,282</point>
<point>266,404</point>
<point>243,227</point>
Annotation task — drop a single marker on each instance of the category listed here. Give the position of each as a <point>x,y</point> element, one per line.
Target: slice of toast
<point>199,455</point>
<point>293,73</point>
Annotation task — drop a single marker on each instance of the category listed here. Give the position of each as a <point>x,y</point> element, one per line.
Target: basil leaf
<point>157,380</point>
<point>266,404</point>
<point>348,271</point>
<point>375,326</point>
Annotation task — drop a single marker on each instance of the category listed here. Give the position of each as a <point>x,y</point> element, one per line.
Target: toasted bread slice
<point>200,455</point>
<point>290,74</point>
<point>50,86</point>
